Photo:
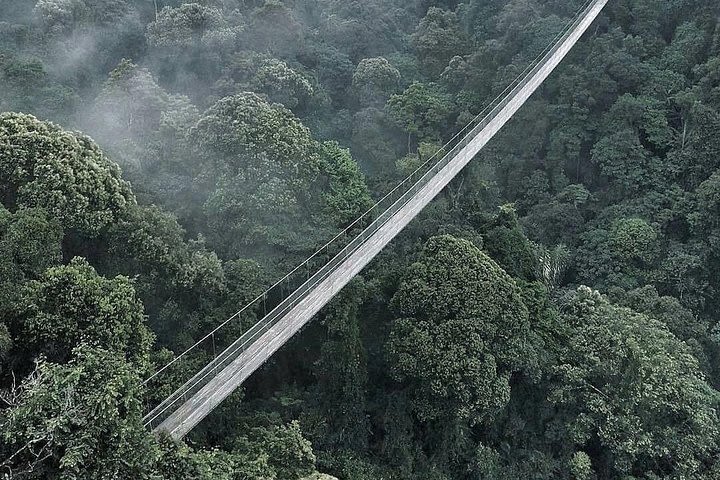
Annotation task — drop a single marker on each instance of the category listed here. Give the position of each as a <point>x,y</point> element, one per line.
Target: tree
<point>139,121</point>
<point>178,461</point>
<point>265,75</point>
<point>556,220</point>
<point>622,254</point>
<point>62,16</point>
<point>438,38</point>
<point>29,87</point>
<point>263,163</point>
<point>425,152</point>
<point>685,273</point>
<point>346,195</point>
<point>341,371</point>
<point>268,176</point>
<point>72,304</point>
<point>633,394</point>
<point>189,25</point>
<point>130,102</point>
<point>366,29</point>
<point>374,80</point>
<point>30,243</point>
<point>686,49</point>
<point>282,84</point>
<point>372,141</point>
<point>81,420</point>
<point>58,15</point>
<point>289,455</point>
<point>622,158</point>
<point>678,319</point>
<point>637,135</point>
<point>506,243</point>
<point>277,452</point>
<point>245,124</point>
<point>64,173</point>
<point>633,240</point>
<point>180,282</point>
<point>460,333</point>
<point>332,68</point>
<point>422,109</point>
<point>273,28</point>
<point>707,201</point>
<point>188,44</point>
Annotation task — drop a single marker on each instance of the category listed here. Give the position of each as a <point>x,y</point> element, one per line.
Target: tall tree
<point>462,330</point>
<point>42,165</point>
<point>632,394</point>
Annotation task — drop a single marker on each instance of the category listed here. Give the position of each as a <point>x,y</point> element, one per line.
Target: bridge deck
<point>225,377</point>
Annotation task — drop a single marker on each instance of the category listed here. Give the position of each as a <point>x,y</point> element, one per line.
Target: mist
<point>551,314</point>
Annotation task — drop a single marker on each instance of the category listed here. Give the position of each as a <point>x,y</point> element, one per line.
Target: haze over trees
<point>552,315</point>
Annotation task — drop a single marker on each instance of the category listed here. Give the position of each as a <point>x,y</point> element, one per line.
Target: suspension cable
<point>374,207</point>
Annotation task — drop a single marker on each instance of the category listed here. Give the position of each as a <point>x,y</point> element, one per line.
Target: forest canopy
<point>553,314</point>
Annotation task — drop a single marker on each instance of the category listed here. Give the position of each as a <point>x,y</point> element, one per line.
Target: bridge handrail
<point>195,383</point>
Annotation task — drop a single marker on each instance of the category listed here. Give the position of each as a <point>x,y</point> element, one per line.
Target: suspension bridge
<point>195,399</point>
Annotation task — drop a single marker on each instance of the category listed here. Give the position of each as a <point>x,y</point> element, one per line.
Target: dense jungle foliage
<point>552,315</point>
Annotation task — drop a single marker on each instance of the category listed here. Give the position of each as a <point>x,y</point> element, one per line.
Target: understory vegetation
<point>553,314</point>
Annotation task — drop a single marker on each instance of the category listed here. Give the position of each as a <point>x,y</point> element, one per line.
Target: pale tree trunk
<point>684,135</point>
